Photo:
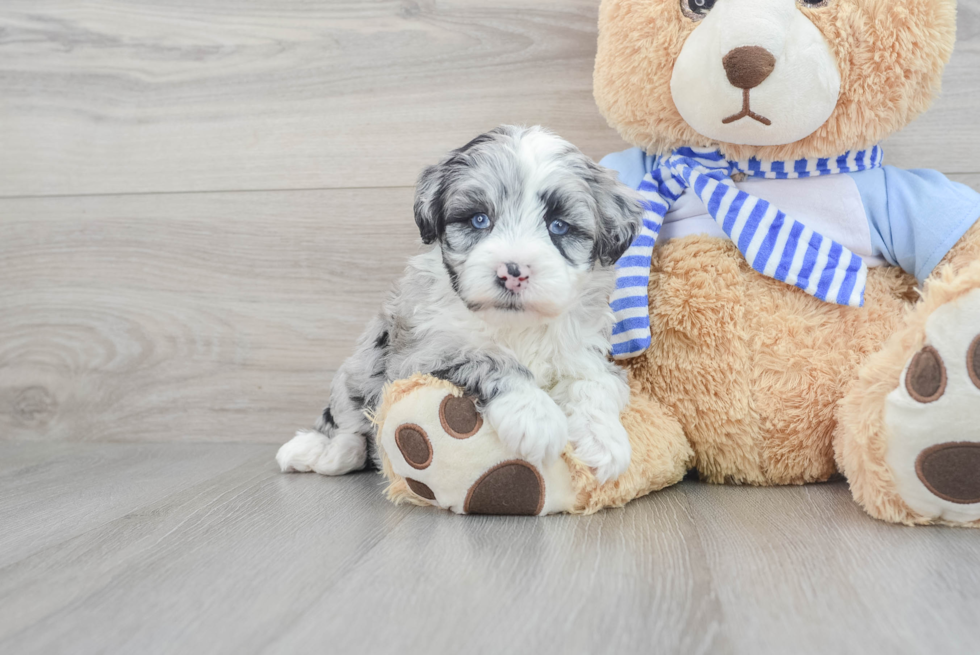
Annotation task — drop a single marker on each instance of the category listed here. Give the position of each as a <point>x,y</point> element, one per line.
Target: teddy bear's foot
<point>933,417</point>
<point>909,429</point>
<point>443,453</point>
<point>436,449</point>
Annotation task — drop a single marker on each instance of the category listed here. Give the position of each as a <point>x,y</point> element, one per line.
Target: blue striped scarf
<point>774,244</point>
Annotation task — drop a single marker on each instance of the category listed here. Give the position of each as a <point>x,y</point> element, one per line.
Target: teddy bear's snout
<point>748,66</point>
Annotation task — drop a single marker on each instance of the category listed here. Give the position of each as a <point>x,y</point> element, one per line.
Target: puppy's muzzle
<point>513,277</point>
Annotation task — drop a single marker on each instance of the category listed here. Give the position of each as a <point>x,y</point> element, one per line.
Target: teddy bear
<point>793,309</point>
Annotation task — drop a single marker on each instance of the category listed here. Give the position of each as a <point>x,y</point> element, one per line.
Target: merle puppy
<point>511,305</point>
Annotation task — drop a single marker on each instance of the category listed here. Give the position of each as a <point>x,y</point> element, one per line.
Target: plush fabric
<point>862,435</point>
<point>753,369</point>
<point>830,204</point>
<point>890,56</point>
<point>769,385</point>
<point>886,215</point>
<point>476,474</point>
<point>802,87</point>
<point>774,243</point>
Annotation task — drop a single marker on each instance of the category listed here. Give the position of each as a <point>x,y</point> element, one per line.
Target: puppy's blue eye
<point>480,221</point>
<point>558,227</point>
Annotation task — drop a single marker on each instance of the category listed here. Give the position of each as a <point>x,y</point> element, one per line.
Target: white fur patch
<point>312,451</point>
<point>529,423</point>
<point>914,426</point>
<point>594,406</point>
<point>798,96</point>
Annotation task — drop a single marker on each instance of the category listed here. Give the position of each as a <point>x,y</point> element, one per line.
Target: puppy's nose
<point>513,277</point>
<point>748,67</point>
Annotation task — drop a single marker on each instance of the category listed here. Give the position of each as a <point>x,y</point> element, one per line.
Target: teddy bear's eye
<point>697,9</point>
<point>813,3</point>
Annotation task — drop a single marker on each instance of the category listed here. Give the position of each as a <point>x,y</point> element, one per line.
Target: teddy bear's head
<point>775,79</point>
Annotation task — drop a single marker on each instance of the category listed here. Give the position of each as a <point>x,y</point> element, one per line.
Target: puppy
<point>512,306</point>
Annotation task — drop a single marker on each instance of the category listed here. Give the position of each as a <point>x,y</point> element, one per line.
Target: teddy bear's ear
<point>619,215</point>
<point>428,204</point>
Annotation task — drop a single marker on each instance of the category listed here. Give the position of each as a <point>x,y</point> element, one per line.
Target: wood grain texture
<point>125,96</point>
<point>972,180</point>
<point>253,561</point>
<point>627,580</point>
<point>177,95</point>
<point>823,578</point>
<point>65,492</point>
<point>215,317</point>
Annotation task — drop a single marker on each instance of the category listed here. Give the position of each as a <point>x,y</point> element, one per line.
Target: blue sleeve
<point>915,216</point>
<point>632,165</point>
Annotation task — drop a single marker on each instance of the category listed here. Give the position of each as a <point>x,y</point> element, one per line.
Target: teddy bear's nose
<point>747,67</point>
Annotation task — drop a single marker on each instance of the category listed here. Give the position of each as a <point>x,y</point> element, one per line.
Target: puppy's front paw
<point>600,442</point>
<point>531,424</point>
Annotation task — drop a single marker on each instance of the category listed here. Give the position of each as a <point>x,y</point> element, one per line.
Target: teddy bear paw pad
<point>933,417</point>
<point>513,487</point>
<point>448,456</point>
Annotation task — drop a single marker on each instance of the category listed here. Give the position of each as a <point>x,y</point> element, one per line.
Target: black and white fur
<point>536,358</point>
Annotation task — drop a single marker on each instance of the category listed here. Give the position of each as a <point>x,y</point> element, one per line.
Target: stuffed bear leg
<point>908,436</point>
<point>437,450</point>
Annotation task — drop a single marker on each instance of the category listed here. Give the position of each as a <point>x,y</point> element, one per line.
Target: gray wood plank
<point>970,179</point>
<point>621,581</point>
<point>805,570</point>
<point>214,317</point>
<point>23,454</point>
<point>219,567</point>
<point>66,491</point>
<point>254,561</point>
<point>947,137</point>
<point>128,96</point>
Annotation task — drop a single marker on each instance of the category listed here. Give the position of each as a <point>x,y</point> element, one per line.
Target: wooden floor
<point>206,548</point>
<point>201,203</point>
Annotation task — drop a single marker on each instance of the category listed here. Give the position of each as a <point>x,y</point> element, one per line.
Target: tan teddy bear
<point>794,308</point>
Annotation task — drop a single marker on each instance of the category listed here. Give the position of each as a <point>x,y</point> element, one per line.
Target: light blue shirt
<point>915,217</point>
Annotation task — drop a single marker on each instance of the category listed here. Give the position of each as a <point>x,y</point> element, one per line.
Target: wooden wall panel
<point>128,96</point>
<point>191,316</point>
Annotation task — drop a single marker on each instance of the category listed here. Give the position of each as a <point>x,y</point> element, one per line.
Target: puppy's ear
<point>428,204</point>
<point>620,215</point>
